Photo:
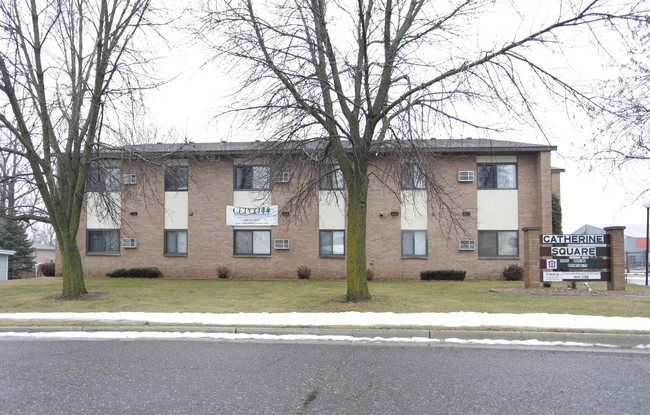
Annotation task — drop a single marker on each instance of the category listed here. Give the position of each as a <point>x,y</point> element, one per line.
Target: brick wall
<point>210,241</point>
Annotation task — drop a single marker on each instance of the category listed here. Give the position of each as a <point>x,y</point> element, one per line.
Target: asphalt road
<point>206,377</point>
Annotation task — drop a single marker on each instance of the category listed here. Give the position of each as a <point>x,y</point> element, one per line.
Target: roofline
<point>243,148</point>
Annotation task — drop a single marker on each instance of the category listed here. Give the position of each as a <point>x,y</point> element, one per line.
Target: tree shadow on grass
<point>85,297</point>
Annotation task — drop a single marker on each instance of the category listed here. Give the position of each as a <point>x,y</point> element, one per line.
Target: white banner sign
<point>246,216</point>
<point>551,276</point>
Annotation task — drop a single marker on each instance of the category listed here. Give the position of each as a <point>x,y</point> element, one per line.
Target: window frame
<point>99,179</point>
<point>172,180</point>
<point>426,243</point>
<point>105,233</point>
<point>176,253</point>
<point>479,182</point>
<point>320,243</point>
<point>412,178</point>
<point>331,175</point>
<point>252,188</point>
<point>496,233</point>
<point>252,253</point>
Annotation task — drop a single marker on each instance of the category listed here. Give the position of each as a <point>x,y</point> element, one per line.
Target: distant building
<point>43,253</point>
<point>635,254</point>
<point>4,264</point>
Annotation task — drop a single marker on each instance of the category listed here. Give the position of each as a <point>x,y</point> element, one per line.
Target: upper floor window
<point>331,178</point>
<point>103,179</point>
<point>413,178</point>
<point>252,177</point>
<point>176,178</point>
<point>497,176</point>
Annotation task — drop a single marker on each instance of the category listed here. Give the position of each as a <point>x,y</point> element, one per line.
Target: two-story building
<point>206,205</point>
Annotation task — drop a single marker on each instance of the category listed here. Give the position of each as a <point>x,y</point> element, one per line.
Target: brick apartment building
<point>209,205</point>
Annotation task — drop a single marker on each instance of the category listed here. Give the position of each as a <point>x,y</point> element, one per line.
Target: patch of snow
<point>353,318</point>
<point>133,335</point>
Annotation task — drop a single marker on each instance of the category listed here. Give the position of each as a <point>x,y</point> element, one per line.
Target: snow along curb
<point>620,342</point>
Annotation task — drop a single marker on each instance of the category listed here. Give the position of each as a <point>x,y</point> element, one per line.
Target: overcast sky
<point>198,92</point>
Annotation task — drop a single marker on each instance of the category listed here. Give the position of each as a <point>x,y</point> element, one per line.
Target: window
<point>497,176</point>
<point>103,179</point>
<point>332,243</point>
<point>498,243</point>
<point>176,178</point>
<point>414,243</point>
<point>252,177</point>
<point>176,242</point>
<point>413,178</point>
<point>252,242</point>
<point>103,241</point>
<point>331,178</point>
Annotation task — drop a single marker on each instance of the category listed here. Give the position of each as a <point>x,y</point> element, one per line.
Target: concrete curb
<point>620,341</point>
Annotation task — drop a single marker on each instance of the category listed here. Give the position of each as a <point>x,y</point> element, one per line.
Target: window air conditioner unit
<point>282,177</point>
<point>129,179</point>
<point>465,176</point>
<point>129,242</point>
<point>466,245</point>
<point>281,243</point>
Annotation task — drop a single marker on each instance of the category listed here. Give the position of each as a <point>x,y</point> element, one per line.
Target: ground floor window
<point>176,242</point>
<point>414,243</point>
<point>252,242</point>
<point>332,243</point>
<point>498,243</point>
<point>103,241</point>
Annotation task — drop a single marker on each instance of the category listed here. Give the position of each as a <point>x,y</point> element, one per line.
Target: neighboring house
<point>43,253</point>
<point>205,209</point>
<point>4,264</point>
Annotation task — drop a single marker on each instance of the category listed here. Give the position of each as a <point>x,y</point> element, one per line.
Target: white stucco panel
<point>176,210</point>
<point>331,209</point>
<point>498,209</point>
<point>103,210</point>
<point>414,209</point>
<point>251,198</point>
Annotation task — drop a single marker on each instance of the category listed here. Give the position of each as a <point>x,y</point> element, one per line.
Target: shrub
<point>370,274</point>
<point>47,269</point>
<point>513,272</point>
<point>223,272</point>
<point>142,272</point>
<point>444,274</point>
<point>546,284</point>
<point>303,272</point>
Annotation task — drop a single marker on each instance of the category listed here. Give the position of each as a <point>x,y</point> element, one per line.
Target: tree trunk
<point>356,238</point>
<point>73,276</point>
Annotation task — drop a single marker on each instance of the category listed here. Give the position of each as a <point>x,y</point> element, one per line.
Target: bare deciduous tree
<point>622,141</point>
<point>19,197</point>
<point>63,65</point>
<point>347,80</point>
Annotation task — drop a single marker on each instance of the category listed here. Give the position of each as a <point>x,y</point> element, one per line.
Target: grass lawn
<point>230,296</point>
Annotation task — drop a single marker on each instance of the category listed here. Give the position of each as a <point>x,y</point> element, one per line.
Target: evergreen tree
<point>556,212</point>
<point>14,238</point>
